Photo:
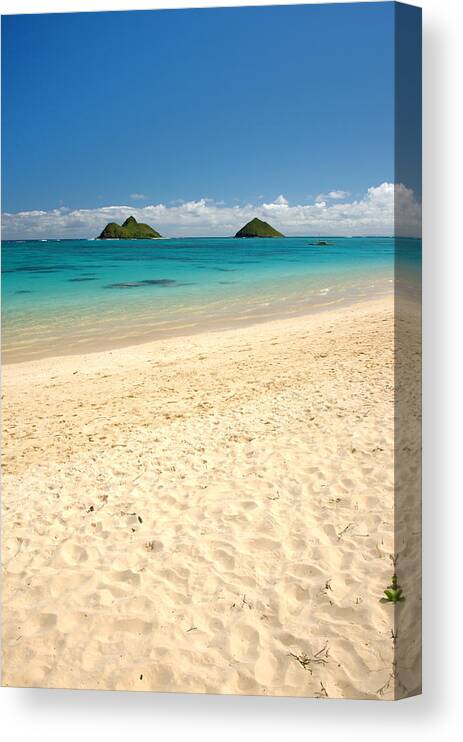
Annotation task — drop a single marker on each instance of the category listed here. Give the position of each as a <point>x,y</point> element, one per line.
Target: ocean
<point>73,296</point>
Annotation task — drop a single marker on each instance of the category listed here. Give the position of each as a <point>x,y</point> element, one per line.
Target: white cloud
<point>371,214</point>
<point>332,195</point>
<point>138,196</point>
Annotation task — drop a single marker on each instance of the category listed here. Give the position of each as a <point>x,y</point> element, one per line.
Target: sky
<point>195,119</point>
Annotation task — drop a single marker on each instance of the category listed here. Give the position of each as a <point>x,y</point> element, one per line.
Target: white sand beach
<point>210,513</point>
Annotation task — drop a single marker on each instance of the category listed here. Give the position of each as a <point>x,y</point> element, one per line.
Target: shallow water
<point>72,296</point>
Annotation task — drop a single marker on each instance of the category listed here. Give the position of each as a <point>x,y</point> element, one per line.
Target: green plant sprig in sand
<point>393,592</point>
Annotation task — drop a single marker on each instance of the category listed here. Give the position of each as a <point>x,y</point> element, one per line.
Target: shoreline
<point>150,344</point>
<point>211,327</point>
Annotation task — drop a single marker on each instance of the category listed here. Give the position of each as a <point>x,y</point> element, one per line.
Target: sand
<point>212,514</point>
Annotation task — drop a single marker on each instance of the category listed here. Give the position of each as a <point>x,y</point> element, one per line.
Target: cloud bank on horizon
<point>374,213</point>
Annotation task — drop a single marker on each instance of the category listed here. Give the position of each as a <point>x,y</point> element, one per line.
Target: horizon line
<point>208,237</point>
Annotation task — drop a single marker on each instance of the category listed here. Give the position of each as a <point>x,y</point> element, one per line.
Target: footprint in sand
<point>37,624</point>
<point>133,626</point>
<point>244,642</point>
<point>268,668</point>
<point>223,558</point>
<point>72,553</point>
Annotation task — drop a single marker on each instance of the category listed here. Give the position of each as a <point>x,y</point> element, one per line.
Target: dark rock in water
<point>39,268</point>
<point>321,243</point>
<point>137,284</point>
<point>79,280</point>
<point>258,228</point>
<point>130,230</point>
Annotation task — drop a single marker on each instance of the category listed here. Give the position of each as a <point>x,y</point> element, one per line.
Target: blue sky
<point>236,105</point>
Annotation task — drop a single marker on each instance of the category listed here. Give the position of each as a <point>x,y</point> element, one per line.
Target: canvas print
<point>211,299</point>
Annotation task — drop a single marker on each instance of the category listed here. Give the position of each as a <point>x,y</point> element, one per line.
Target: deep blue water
<point>64,296</point>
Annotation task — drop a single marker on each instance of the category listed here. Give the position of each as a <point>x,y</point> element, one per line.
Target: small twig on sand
<point>341,533</point>
<point>326,587</point>
<point>393,676</point>
<point>322,693</point>
<point>243,603</point>
<point>319,658</point>
<point>93,509</point>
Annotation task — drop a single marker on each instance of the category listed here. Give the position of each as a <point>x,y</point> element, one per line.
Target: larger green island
<point>130,230</point>
<point>257,228</point>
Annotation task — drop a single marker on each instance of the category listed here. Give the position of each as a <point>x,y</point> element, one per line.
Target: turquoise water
<point>69,296</point>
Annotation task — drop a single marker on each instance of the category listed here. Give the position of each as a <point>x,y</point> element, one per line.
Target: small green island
<point>258,228</point>
<point>130,230</point>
